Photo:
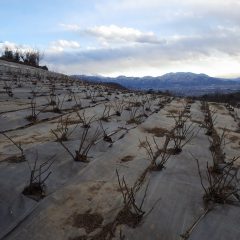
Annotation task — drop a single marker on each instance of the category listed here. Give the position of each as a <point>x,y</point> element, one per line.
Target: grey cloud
<point>188,30</point>
<point>173,51</point>
<point>178,48</point>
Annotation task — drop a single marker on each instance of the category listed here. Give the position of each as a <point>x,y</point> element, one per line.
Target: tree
<point>8,54</point>
<point>33,57</point>
<point>16,56</point>
<point>30,57</point>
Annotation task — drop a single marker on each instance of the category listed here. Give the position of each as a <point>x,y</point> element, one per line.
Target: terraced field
<point>81,161</point>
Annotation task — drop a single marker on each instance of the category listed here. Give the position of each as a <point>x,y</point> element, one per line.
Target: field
<point>81,161</point>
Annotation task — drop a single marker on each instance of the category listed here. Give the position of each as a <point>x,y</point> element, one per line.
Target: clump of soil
<point>157,131</point>
<point>56,110</point>
<point>127,158</point>
<point>31,118</point>
<point>80,157</point>
<point>105,119</point>
<point>35,191</point>
<point>134,121</point>
<point>106,233</point>
<point>158,167</point>
<point>174,151</point>
<point>107,138</point>
<point>88,221</point>
<point>127,217</point>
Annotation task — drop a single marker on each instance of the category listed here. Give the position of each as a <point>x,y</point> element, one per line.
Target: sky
<point>127,37</point>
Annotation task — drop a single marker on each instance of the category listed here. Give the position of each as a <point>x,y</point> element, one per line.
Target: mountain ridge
<point>173,81</point>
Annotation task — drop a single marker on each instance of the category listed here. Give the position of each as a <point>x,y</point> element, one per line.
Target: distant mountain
<point>185,83</point>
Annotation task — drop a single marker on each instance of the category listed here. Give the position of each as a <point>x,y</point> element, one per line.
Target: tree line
<point>29,57</point>
<point>230,98</point>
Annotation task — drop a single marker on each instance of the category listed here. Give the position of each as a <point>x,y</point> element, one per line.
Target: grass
<point>15,159</point>
<point>218,106</point>
<point>157,131</point>
<point>127,158</point>
<point>173,111</point>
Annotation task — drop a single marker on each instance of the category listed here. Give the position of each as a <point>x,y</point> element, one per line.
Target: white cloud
<point>114,33</point>
<point>61,45</point>
<point>125,34</point>
<point>15,46</point>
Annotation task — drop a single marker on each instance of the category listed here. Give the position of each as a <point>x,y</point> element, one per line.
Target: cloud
<point>218,48</point>
<point>61,45</point>
<point>141,62</point>
<point>150,37</point>
<point>122,34</point>
<point>14,46</point>
<point>115,34</point>
<point>174,15</point>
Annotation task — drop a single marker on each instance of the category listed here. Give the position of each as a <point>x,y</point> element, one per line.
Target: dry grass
<point>234,138</point>
<point>133,121</point>
<point>142,144</point>
<point>173,111</point>
<point>15,159</point>
<point>74,121</point>
<point>127,158</point>
<point>157,131</point>
<point>218,106</point>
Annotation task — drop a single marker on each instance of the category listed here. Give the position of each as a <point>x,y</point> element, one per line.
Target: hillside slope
<point>116,189</point>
